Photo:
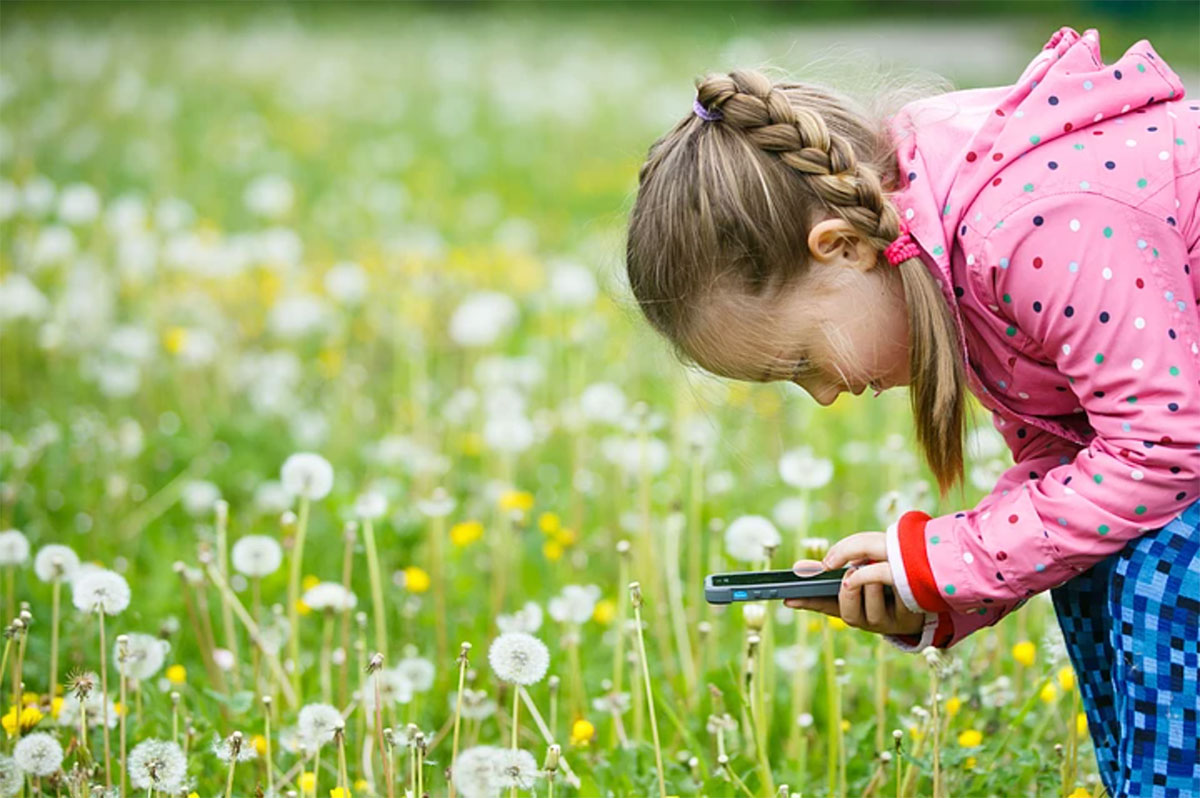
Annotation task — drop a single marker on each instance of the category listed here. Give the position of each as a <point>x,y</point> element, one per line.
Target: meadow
<point>335,458</point>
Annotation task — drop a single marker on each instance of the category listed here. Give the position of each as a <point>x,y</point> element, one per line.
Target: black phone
<point>732,586</point>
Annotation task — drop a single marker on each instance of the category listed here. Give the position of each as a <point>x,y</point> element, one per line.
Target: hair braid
<point>762,112</point>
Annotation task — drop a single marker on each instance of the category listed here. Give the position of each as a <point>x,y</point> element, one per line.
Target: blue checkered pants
<point>1132,628</point>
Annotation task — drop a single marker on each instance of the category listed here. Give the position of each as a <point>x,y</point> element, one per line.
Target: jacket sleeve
<point>1100,290</point>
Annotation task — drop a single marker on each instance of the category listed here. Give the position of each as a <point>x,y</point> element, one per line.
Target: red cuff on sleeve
<point>944,631</point>
<point>911,532</point>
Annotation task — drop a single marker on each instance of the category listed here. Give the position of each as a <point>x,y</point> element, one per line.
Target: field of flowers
<point>335,459</point>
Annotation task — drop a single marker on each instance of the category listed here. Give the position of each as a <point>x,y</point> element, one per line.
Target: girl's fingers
<point>879,572</point>
<point>859,546</point>
<point>878,616</point>
<point>825,604</point>
<point>850,600</point>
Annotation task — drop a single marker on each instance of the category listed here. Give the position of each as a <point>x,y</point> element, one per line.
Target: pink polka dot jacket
<point>1059,215</point>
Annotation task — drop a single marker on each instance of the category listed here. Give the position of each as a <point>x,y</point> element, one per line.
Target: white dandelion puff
<point>14,547</point>
<point>38,754</point>
<point>308,475</point>
<point>318,723</point>
<point>198,497</point>
<point>519,658</point>
<point>392,686</point>
<point>475,772</point>
<point>329,596</point>
<point>234,748</point>
<point>575,604</point>
<point>801,469</point>
<point>11,780</point>
<point>93,707</point>
<point>103,590</point>
<point>370,505</point>
<point>748,538</point>
<point>256,556</point>
<point>157,764</point>
<point>419,672</point>
<point>517,768</point>
<point>55,561</point>
<point>144,656</point>
<point>528,619</point>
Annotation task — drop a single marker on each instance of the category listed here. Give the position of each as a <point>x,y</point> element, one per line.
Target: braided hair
<point>727,206</point>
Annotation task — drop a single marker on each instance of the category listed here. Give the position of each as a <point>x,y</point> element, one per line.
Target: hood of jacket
<point>949,147</point>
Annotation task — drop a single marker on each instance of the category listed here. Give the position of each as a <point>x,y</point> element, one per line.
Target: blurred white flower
<point>198,498</point>
<point>256,556</point>
<point>157,765</point>
<point>482,318</point>
<point>346,282</point>
<point>318,723</point>
<point>21,299</point>
<point>234,748</point>
<point>126,216</point>
<point>78,203</point>
<point>575,604</point>
<point>801,469</point>
<point>476,772</point>
<point>791,513</point>
<point>517,768</point>
<point>144,656</point>
<point>572,285</point>
<point>513,434</point>
<point>14,547</point>
<point>38,195</point>
<point>307,474</point>
<point>54,244</point>
<point>748,537</point>
<point>295,316</point>
<point>330,596</point>
<point>438,505</point>
<point>370,505</point>
<point>103,590</point>
<point>392,685</point>
<point>418,671</point>
<point>603,402</point>
<point>519,658</point>
<point>93,706</point>
<point>269,195</point>
<point>271,498</point>
<point>55,561</point>
<point>985,442</point>
<point>476,705</point>
<point>38,754</point>
<point>631,456</point>
<point>528,619</point>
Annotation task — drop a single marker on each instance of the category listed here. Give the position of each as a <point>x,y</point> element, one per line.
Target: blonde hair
<point>727,204</point>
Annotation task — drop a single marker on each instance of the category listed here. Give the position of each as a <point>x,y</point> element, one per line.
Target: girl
<point>1033,243</point>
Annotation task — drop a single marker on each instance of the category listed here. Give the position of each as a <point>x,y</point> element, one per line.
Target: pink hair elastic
<point>903,247</point>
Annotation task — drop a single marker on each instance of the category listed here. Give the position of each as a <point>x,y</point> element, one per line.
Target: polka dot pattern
<point>1068,277</point>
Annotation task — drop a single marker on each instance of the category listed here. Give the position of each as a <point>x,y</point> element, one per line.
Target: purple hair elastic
<point>704,113</point>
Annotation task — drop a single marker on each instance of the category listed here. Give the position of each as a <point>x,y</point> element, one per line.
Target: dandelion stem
<point>347,570</point>
<point>270,763</point>
<point>103,702</point>
<point>222,524</point>
<point>343,778</point>
<point>438,579</point>
<point>55,590</point>
<point>462,672</point>
<point>636,600</point>
<point>515,727</point>
<point>326,646</point>
<point>832,732</point>
<point>678,617</point>
<point>933,699</point>
<point>123,653</point>
<point>297,555</point>
<point>572,779</point>
<point>229,779</point>
<point>758,714</point>
<point>381,643</point>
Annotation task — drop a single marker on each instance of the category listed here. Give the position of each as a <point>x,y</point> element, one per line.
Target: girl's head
<point>755,246</point>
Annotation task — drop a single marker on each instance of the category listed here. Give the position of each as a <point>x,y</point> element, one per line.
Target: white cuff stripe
<point>900,576</point>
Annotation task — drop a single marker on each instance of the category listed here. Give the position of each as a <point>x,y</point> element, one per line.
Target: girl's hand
<point>861,602</point>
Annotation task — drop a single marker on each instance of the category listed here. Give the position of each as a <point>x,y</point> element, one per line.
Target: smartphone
<point>732,586</point>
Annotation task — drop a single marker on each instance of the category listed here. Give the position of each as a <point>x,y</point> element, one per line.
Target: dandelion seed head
<point>370,505</point>
<point>391,684</point>
<point>418,671</point>
<point>517,768</point>
<point>519,658</point>
<point>575,604</point>
<point>308,475</point>
<point>144,655</point>
<point>475,772</point>
<point>799,468</point>
<point>55,561</point>
<point>38,754</point>
<point>330,596</point>
<point>528,619</point>
<point>749,537</point>
<point>103,590</point>
<point>11,779</point>
<point>318,723</point>
<point>158,764</point>
<point>257,556</point>
<point>14,547</point>
<point>233,748</point>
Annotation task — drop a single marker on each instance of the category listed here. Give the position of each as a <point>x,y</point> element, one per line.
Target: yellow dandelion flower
<point>1080,792</point>
<point>260,744</point>
<point>953,704</point>
<point>308,782</point>
<point>177,674</point>
<point>1024,652</point>
<point>970,738</point>
<point>606,610</point>
<point>814,625</point>
<point>1081,723</point>
<point>56,706</point>
<point>970,763</point>
<point>29,697</point>
<point>329,362</point>
<point>302,608</point>
<point>193,795</point>
<point>1066,678</point>
<point>552,549</point>
<point>916,733</point>
<point>339,792</point>
<point>582,732</point>
<point>471,444</point>
<point>118,708</point>
<point>845,725</point>
<point>415,579</point>
<point>566,536</point>
<point>174,339</point>
<point>361,785</point>
<point>28,718</point>
<point>1048,693</point>
<point>837,623</point>
<point>309,582</point>
<point>516,500</point>
<point>466,532</point>
<point>549,523</point>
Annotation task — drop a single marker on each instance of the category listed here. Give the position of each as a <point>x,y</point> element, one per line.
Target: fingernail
<point>806,568</point>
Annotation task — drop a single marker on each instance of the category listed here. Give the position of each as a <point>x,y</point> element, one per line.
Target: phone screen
<point>771,577</point>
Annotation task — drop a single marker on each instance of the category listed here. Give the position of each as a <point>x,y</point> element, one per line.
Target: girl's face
<point>842,327</point>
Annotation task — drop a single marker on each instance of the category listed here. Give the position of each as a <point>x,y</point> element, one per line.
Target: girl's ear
<point>834,240</point>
